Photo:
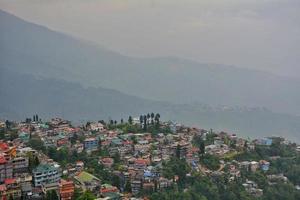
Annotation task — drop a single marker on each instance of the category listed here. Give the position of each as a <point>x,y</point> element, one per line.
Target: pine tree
<point>145,123</point>
<point>127,186</point>
<point>152,118</point>
<point>51,195</point>
<point>130,120</point>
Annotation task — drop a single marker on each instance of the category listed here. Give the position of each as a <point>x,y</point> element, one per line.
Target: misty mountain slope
<point>33,49</point>
<point>24,95</point>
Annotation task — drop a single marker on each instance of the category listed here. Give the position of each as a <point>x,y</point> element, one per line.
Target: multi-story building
<point>6,169</point>
<point>90,144</point>
<point>66,189</point>
<point>2,191</point>
<point>97,126</point>
<point>141,164</point>
<point>45,174</point>
<point>136,186</point>
<point>25,181</point>
<point>13,188</point>
<point>87,181</point>
<point>20,165</point>
<point>24,136</point>
<point>47,187</point>
<point>108,190</point>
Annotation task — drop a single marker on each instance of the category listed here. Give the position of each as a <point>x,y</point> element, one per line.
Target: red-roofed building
<point>107,162</point>
<point>108,191</point>
<point>2,160</point>
<point>62,141</point>
<point>127,142</point>
<point>13,188</point>
<point>66,189</point>
<point>9,181</point>
<point>106,188</point>
<point>140,163</point>
<point>4,146</point>
<point>2,191</point>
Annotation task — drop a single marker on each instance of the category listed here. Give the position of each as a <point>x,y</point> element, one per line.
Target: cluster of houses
<point>139,166</point>
<point>18,180</point>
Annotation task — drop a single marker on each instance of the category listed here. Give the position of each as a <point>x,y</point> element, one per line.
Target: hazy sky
<point>261,34</point>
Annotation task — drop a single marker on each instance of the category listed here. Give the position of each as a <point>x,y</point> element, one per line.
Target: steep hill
<point>36,50</point>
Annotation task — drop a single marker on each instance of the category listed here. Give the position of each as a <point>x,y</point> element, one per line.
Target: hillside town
<point>140,158</point>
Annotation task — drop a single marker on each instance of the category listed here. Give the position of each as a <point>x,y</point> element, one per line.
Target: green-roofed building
<point>124,137</point>
<point>87,181</point>
<point>24,136</point>
<point>45,126</point>
<point>116,142</point>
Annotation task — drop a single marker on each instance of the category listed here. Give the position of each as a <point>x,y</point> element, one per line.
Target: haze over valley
<point>53,73</point>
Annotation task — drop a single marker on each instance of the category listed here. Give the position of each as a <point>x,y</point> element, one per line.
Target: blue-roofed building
<point>264,165</point>
<point>194,164</point>
<point>148,174</point>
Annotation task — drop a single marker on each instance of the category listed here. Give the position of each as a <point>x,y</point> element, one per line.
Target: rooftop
<point>44,167</point>
<point>86,177</point>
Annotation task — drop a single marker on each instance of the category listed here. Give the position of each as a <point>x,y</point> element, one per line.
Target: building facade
<point>45,174</point>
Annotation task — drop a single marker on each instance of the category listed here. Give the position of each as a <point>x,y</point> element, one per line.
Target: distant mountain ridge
<point>33,49</point>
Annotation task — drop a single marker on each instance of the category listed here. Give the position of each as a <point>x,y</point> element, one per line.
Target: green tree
<point>178,151</point>
<point>36,143</point>
<point>51,195</point>
<point>115,181</point>
<point>281,191</point>
<point>145,123</point>
<point>13,135</point>
<point>2,134</point>
<point>211,162</point>
<point>77,193</point>
<point>177,167</point>
<point>74,138</point>
<point>87,195</point>
<point>130,120</point>
<point>199,142</point>
<point>141,119</point>
<point>8,124</point>
<point>293,174</point>
<point>127,186</point>
<point>156,119</point>
<point>117,158</point>
<point>152,118</point>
